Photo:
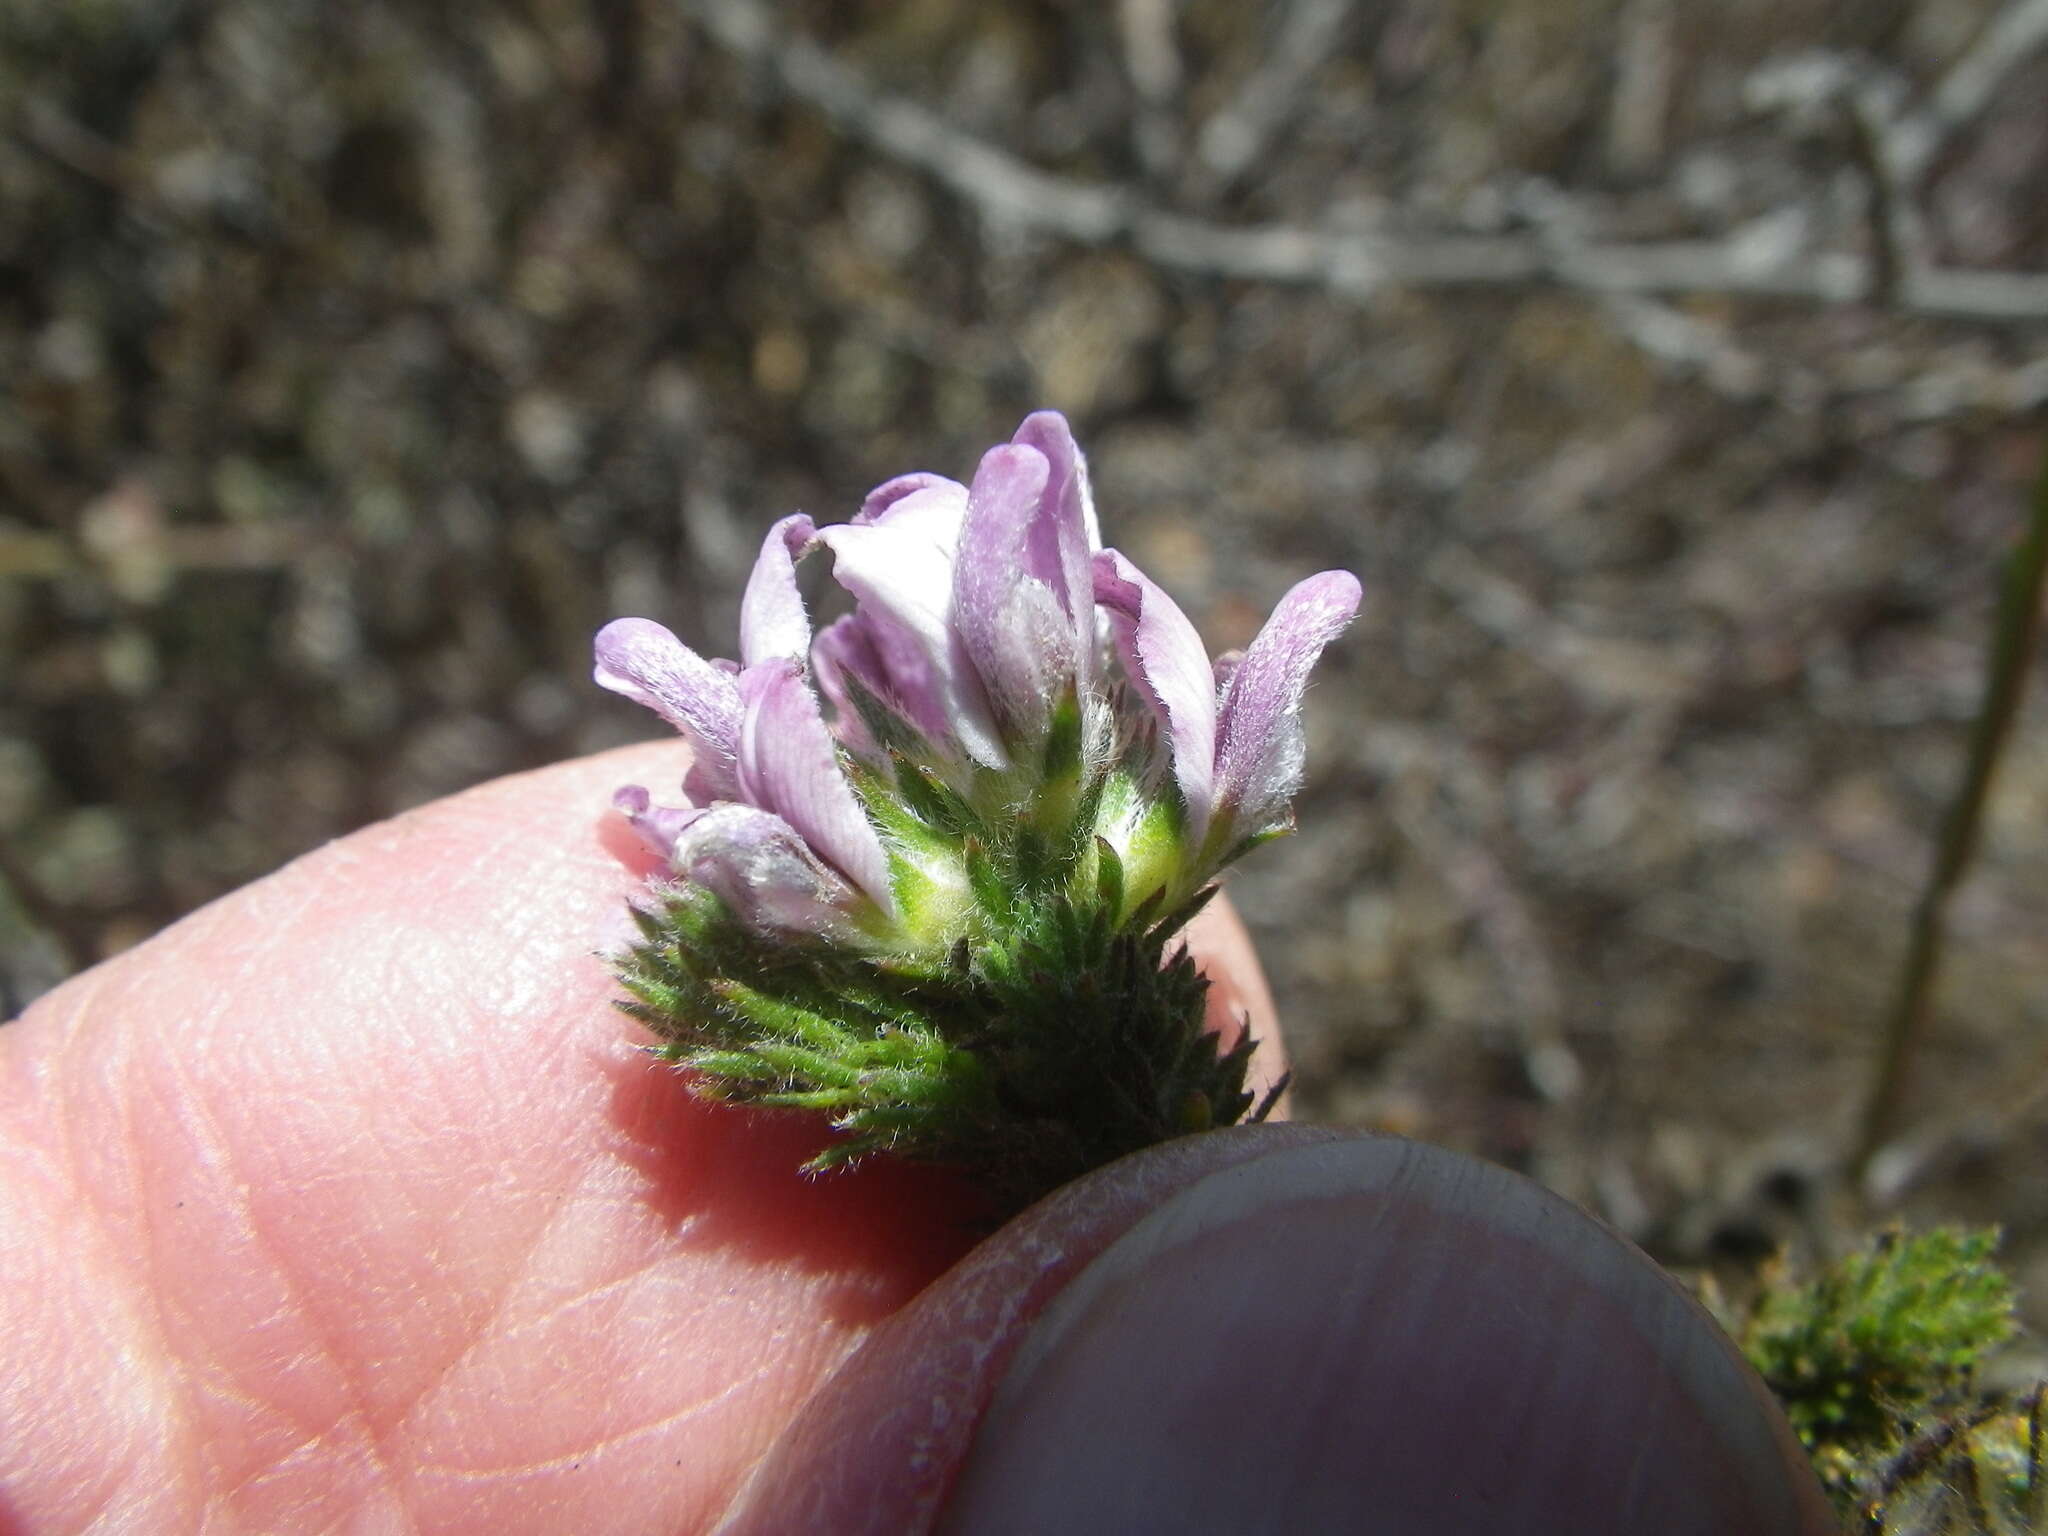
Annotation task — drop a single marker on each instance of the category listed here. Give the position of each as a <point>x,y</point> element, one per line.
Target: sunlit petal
<point>645,662</point>
<point>772,617</point>
<point>1164,659</point>
<point>789,764</point>
<point>1259,740</point>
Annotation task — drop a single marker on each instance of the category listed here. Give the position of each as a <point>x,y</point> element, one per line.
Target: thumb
<point>1282,1328</point>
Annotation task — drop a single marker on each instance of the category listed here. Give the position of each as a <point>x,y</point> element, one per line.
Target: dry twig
<point>2015,632</point>
<point>1355,262</point>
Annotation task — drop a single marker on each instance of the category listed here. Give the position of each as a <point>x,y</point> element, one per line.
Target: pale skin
<point>351,1203</point>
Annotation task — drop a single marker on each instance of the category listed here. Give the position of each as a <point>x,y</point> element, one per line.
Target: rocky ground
<point>1672,374</point>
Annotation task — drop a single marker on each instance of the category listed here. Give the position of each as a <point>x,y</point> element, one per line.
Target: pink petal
<point>757,864</point>
<point>658,826</point>
<point>897,560</point>
<point>1166,662</point>
<point>846,652</point>
<point>878,502</point>
<point>788,764</point>
<point>1259,742</point>
<point>1008,606</point>
<point>843,650</point>
<point>643,661</point>
<point>1067,530</point>
<point>772,617</point>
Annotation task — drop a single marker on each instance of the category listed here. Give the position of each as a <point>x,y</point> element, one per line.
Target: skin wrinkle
<point>583,1203</point>
<point>576,1204</point>
<point>406,1190</point>
<point>407,1423</point>
<point>283,1463</point>
<point>732,1389</point>
<point>494,1330</point>
<point>173,1373</point>
<point>134,1299</point>
<point>45,1160</point>
<point>560,1307</point>
<point>409,1426</point>
<point>406,1418</point>
<point>144,1297</point>
<point>302,1311</point>
<point>286,1466</point>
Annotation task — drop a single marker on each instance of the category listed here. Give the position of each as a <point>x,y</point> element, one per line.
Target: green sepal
<point>1025,1014</point>
<point>1109,877</point>
<point>987,880</point>
<point>1062,1035</point>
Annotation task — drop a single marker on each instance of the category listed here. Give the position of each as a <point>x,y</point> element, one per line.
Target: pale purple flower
<point>898,558</point>
<point>1258,727</point>
<point>772,617</point>
<point>759,866</point>
<point>1236,746</point>
<point>1022,589</point>
<point>659,826</point>
<point>760,738</point>
<point>1168,666</point>
<point>981,612</point>
<point>976,611</point>
<point>643,661</point>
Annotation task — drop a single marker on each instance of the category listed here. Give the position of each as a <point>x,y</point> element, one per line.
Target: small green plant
<point>1880,1330</point>
<point>1874,1360</point>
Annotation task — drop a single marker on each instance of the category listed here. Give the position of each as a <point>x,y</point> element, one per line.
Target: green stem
<point>2014,632</point>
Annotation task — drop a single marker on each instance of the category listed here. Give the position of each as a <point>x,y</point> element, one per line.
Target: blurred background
<point>1673,374</point>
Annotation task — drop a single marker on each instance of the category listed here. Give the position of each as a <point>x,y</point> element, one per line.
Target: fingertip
<point>876,1450</point>
<point>1281,1329</point>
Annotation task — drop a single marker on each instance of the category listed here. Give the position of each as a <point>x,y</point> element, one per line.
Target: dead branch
<point>1236,138</point>
<point>1351,263</point>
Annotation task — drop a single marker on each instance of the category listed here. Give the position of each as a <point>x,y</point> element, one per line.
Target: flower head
<point>1012,721</point>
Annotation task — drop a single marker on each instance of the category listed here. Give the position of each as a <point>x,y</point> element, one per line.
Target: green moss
<point>1874,1361</point>
<point>1881,1330</point>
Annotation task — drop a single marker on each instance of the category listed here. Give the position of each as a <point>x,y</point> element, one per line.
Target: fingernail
<point>1378,1335</point>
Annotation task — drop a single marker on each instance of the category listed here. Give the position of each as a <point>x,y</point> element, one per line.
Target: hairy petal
<point>758,865</point>
<point>1259,742</point>
<point>658,826</point>
<point>897,560</point>
<point>1066,530</point>
<point>789,764</point>
<point>1166,663</point>
<point>645,662</point>
<point>772,617</point>
<point>1009,604</point>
